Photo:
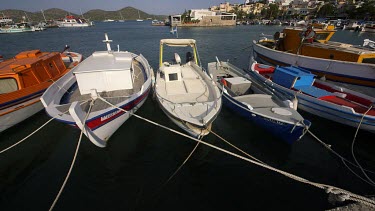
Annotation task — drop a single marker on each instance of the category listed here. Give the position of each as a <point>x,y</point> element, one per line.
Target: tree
<point>326,10</point>
<point>273,11</point>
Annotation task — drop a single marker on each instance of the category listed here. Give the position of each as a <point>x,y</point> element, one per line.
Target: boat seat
<point>188,73</point>
<point>175,88</point>
<point>313,91</point>
<point>257,100</point>
<point>194,86</point>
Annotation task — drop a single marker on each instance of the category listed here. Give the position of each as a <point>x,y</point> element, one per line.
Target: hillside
<point>128,13</point>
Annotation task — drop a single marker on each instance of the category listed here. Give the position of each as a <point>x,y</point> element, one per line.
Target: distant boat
<point>369,27</point>
<point>139,17</point>
<point>250,98</point>
<point>185,92</point>
<point>157,23</point>
<point>17,28</point>
<point>71,21</point>
<point>93,92</point>
<point>122,18</point>
<point>108,20</point>
<point>24,78</point>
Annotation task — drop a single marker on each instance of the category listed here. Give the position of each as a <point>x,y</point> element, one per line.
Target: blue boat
<point>247,96</point>
<point>321,98</point>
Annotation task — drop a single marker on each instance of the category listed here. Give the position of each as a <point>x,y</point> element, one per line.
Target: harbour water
<point>131,173</point>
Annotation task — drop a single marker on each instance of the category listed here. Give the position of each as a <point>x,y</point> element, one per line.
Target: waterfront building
<point>198,14</point>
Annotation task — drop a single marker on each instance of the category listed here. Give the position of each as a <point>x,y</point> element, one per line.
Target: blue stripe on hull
<point>279,129</point>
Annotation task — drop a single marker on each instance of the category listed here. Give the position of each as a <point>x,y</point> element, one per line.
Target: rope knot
<point>343,197</point>
<point>329,190</point>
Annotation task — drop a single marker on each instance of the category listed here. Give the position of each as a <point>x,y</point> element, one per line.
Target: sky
<point>156,7</point>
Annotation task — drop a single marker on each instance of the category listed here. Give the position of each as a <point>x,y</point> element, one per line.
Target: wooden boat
<point>319,97</point>
<point>72,21</point>
<point>96,93</point>
<point>311,49</point>
<point>24,78</point>
<point>248,97</point>
<point>185,93</point>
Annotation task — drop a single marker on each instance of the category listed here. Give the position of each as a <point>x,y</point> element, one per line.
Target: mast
<point>81,14</point>
<point>27,17</point>
<point>44,16</point>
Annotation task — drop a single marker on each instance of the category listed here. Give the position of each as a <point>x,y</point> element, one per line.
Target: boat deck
<point>190,89</point>
<point>341,47</point>
<point>114,97</point>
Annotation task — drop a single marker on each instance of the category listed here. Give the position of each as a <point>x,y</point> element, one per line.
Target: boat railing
<point>263,36</point>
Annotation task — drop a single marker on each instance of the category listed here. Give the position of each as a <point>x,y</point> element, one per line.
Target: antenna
<point>107,41</point>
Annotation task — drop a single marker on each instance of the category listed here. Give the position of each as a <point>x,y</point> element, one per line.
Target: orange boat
<point>24,78</point>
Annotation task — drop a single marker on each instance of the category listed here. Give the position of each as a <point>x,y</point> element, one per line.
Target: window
<point>321,36</point>
<point>173,77</point>
<point>8,85</point>
<point>369,60</point>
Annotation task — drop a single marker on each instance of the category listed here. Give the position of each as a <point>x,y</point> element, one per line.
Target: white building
<point>198,14</point>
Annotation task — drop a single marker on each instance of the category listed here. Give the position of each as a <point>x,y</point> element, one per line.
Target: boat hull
<point>104,125</point>
<point>196,131</point>
<point>285,131</point>
<point>74,25</point>
<point>19,112</point>
<point>341,71</point>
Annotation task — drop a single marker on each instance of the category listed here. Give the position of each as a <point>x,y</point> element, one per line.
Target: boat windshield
<point>321,36</point>
<point>8,85</point>
<point>369,60</point>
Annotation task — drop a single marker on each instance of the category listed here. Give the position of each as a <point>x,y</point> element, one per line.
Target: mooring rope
<point>345,195</point>
<point>237,148</point>
<point>32,133</point>
<point>74,158</point>
<point>354,139</point>
<point>183,163</point>
<point>341,157</point>
<point>22,140</point>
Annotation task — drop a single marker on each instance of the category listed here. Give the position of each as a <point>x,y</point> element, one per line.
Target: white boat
<point>353,25</point>
<point>17,28</point>
<point>109,20</point>
<point>139,17</point>
<point>121,18</point>
<point>71,21</point>
<point>185,92</point>
<point>95,95</point>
